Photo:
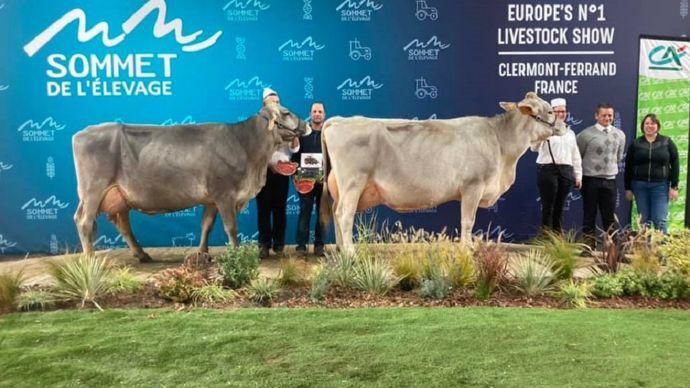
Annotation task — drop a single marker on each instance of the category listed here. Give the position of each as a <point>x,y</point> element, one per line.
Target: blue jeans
<point>651,199</point>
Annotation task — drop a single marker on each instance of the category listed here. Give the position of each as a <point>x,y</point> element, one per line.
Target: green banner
<point>664,89</point>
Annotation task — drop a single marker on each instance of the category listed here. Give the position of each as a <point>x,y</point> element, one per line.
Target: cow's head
<point>545,123</point>
<point>286,124</point>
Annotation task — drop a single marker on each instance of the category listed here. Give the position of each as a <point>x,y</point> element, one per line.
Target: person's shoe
<point>318,250</point>
<point>279,251</point>
<point>264,253</point>
<point>301,250</point>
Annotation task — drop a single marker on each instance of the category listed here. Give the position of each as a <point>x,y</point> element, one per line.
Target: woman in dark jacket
<point>651,173</point>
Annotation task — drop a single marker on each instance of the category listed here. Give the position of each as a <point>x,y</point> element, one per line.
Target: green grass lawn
<point>363,347</point>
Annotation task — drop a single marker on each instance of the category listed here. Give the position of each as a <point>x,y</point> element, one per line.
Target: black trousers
<point>271,203</point>
<point>554,182</point>
<point>598,195</point>
<point>306,206</point>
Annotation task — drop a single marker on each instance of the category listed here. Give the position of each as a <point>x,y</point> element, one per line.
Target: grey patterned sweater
<point>601,152</point>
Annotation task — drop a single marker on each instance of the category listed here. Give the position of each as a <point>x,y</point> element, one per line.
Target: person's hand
<point>578,184</point>
<point>628,195</point>
<point>673,194</point>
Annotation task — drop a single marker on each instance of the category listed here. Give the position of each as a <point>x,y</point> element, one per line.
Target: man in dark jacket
<point>310,149</point>
<point>271,202</point>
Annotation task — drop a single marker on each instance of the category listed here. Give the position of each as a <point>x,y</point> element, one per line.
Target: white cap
<point>269,92</point>
<point>554,103</point>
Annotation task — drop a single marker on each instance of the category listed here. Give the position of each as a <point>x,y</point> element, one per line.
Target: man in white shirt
<point>559,167</point>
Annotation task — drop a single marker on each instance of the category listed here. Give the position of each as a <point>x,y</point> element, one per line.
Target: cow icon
<point>423,89</point>
<point>424,11</point>
<point>358,51</point>
<point>184,241</point>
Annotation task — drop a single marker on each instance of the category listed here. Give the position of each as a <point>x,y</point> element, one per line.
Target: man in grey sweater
<point>602,147</point>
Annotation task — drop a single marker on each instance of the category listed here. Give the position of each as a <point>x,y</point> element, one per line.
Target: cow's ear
<point>531,95</point>
<point>527,107</point>
<point>272,121</point>
<point>507,106</point>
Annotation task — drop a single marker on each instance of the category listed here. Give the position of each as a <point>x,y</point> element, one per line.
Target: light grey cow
<point>409,164</point>
<point>160,169</point>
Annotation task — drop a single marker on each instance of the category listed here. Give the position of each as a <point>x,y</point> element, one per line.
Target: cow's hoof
<point>144,257</point>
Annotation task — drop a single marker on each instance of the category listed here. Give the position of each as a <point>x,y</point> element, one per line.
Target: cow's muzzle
<point>557,127</point>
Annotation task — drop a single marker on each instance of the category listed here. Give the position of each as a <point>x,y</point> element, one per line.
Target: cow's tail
<point>326,205</point>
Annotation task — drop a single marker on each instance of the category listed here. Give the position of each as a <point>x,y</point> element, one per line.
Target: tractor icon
<point>423,89</point>
<point>312,161</point>
<point>424,11</point>
<point>358,51</point>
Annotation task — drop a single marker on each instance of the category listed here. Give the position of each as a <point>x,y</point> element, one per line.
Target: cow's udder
<point>114,201</point>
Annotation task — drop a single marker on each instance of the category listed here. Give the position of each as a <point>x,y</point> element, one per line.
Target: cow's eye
<point>550,112</point>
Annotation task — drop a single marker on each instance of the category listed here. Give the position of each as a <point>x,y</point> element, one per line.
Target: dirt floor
<point>36,274</point>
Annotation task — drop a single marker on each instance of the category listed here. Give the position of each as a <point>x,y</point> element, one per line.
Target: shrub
<point>650,284</point>
<point>638,283</point>
<point>10,288</point>
<point>645,261</point>
<point>123,280</point>
<point>291,273</point>
<point>341,267</point>
<point>616,244</point>
<point>646,252</point>
<point>407,267</point>
<point>262,291</point>
<point>606,286</point>
<point>492,268</point>
<point>435,283</point>
<point>321,282</point>
<point>532,273</point>
<point>436,288</point>
<point>433,266</point>
<point>460,267</point>
<point>365,229</point>
<point>179,284</point>
<point>630,282</point>
<point>84,278</point>
<point>211,293</point>
<point>676,250</point>
<point>672,285</point>
<point>564,251</point>
<point>575,295</point>
<point>373,276</point>
<point>35,300</point>
<point>239,266</point>
<point>398,234</point>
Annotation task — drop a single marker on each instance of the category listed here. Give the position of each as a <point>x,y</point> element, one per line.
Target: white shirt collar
<point>602,128</point>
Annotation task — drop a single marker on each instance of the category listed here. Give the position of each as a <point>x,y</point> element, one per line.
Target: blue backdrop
<point>67,64</point>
